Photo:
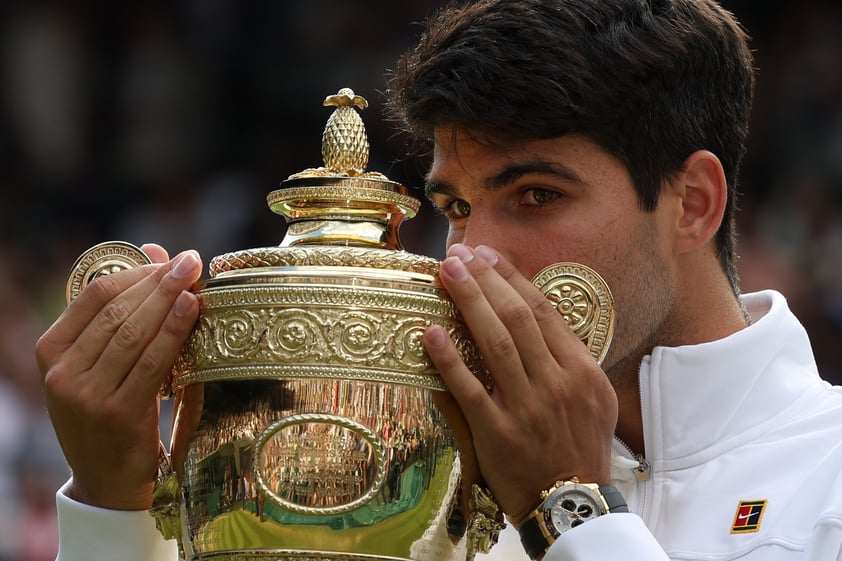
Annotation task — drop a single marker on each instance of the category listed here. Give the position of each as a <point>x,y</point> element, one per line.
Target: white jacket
<point>742,419</point>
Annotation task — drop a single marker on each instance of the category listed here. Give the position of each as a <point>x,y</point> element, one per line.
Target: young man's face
<point>564,199</point>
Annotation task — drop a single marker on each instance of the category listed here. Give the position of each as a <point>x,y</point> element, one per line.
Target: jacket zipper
<point>643,467</point>
<point>643,470</point>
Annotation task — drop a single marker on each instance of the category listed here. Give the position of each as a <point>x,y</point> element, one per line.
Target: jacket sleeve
<point>88,533</point>
<point>619,536</point>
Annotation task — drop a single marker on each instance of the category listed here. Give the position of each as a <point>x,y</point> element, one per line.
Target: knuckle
<point>63,394</point>
<point>44,351</point>
<point>558,391</point>
<point>505,270</point>
<point>149,363</point>
<point>42,345</point>
<point>54,385</point>
<point>168,286</point>
<point>88,402</point>
<point>500,343</point>
<point>516,314</point>
<point>104,287</point>
<point>448,361</point>
<point>111,413</point>
<point>473,397</point>
<point>130,334</point>
<point>176,328</point>
<point>542,306</point>
<point>113,316</point>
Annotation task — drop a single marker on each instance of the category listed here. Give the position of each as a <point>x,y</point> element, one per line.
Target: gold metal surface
<point>583,299</point>
<point>320,323</point>
<point>318,466</point>
<point>344,141</point>
<point>100,260</point>
<point>485,521</point>
<point>316,256</point>
<point>304,427</point>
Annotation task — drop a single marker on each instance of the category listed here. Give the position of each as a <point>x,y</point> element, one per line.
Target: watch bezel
<point>560,521</point>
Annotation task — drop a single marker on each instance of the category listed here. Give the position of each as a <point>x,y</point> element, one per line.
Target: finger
<point>67,329</point>
<point>190,401</point>
<point>565,347</point>
<point>117,303</point>
<point>458,425</point>
<point>127,340</point>
<point>156,359</point>
<point>501,322</point>
<point>84,307</point>
<point>155,252</point>
<point>445,401</point>
<point>476,407</point>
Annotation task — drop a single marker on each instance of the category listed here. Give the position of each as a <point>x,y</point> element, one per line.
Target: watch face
<point>572,505</point>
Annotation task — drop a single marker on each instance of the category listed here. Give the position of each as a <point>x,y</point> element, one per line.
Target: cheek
<point>644,294</point>
<point>529,256</point>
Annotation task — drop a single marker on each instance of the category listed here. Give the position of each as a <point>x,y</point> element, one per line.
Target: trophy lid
<point>342,205</point>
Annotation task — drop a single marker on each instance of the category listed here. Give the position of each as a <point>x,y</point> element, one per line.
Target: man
<point>607,133</point>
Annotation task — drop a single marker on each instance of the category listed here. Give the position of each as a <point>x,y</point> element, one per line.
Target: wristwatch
<point>566,505</point>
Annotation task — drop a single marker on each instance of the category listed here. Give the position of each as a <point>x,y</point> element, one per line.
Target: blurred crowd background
<point>171,121</point>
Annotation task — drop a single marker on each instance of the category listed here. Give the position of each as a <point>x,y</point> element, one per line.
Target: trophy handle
<point>583,299</point>
<point>165,503</point>
<point>101,260</point>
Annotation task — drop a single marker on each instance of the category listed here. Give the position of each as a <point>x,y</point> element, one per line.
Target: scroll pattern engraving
<point>299,331</point>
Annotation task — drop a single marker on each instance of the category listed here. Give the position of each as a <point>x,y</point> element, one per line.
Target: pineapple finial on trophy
<point>341,203</point>
<point>344,141</point>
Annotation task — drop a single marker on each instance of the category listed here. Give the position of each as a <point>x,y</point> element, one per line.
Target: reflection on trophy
<point>304,424</point>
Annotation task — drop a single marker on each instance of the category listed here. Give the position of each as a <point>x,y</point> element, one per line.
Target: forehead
<point>462,160</point>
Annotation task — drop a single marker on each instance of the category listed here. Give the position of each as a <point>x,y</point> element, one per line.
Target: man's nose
<point>484,229</point>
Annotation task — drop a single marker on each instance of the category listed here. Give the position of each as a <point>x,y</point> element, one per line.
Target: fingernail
<point>183,304</point>
<point>487,253</point>
<point>463,252</point>
<point>185,265</point>
<point>436,336</point>
<point>455,268</point>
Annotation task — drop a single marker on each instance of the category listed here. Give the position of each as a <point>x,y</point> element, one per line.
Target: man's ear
<point>704,192</point>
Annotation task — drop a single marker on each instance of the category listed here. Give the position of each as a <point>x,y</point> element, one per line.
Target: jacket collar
<point>700,400</point>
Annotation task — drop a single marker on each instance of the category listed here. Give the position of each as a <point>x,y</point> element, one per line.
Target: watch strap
<point>613,498</point>
<point>536,535</point>
<point>533,537</point>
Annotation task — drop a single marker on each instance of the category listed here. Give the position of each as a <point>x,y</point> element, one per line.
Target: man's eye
<point>538,197</point>
<point>459,208</point>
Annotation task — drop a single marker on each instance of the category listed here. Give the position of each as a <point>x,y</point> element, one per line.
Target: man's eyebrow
<point>512,173</point>
<point>432,187</point>
<point>507,176</point>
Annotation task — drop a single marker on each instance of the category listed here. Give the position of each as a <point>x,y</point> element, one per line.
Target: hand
<point>103,362</point>
<point>552,411</point>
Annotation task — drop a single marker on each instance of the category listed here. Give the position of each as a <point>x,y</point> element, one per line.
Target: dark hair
<point>649,81</point>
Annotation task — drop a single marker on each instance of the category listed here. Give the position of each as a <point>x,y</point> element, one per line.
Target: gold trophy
<point>304,425</point>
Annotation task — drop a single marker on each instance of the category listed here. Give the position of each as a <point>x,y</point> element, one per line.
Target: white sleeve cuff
<point>616,536</point>
<point>88,533</point>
